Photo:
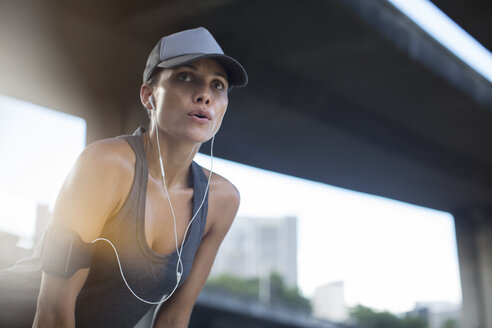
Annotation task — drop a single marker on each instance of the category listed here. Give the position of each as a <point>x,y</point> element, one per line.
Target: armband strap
<point>64,252</point>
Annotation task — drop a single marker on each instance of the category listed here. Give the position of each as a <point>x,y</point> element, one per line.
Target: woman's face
<point>191,100</point>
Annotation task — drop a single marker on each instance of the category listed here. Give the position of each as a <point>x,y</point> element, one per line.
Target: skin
<point>100,181</point>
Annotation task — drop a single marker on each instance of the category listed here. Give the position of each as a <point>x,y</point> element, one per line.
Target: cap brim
<point>236,73</point>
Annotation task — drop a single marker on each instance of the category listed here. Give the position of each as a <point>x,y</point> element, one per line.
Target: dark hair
<point>153,79</point>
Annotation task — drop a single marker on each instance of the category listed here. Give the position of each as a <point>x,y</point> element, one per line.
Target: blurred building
<point>8,246</point>
<point>43,217</point>
<point>437,313</point>
<point>254,247</point>
<point>9,252</point>
<point>329,302</point>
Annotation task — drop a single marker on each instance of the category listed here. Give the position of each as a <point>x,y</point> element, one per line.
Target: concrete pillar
<point>37,65</point>
<point>474,239</point>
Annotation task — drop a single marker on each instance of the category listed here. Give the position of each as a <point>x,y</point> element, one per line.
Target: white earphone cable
<point>179,263</point>
<point>164,298</point>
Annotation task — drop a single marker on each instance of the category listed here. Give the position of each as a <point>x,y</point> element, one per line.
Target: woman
<point>118,190</point>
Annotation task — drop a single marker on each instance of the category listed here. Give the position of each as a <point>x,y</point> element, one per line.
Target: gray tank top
<point>104,300</point>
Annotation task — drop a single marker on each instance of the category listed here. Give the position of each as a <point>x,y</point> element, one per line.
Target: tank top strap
<point>200,182</point>
<point>141,170</point>
<point>136,142</point>
<point>135,200</point>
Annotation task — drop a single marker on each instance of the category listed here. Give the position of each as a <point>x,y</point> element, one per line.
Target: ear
<point>145,92</point>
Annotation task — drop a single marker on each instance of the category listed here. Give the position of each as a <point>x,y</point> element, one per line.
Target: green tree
<point>280,293</point>
<point>450,323</point>
<point>238,286</point>
<point>364,317</point>
<point>413,322</point>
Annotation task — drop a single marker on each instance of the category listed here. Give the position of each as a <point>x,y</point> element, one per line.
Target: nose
<point>203,96</point>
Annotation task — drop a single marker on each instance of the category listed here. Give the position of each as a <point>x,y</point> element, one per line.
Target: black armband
<point>64,252</point>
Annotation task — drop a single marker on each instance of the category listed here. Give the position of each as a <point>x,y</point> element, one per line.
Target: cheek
<point>221,111</point>
<point>222,105</point>
<point>170,101</point>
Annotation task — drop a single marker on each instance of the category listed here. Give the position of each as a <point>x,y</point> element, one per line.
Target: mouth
<point>201,114</point>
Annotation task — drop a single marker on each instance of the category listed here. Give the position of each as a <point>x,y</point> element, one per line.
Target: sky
<point>389,254</point>
<point>33,172</point>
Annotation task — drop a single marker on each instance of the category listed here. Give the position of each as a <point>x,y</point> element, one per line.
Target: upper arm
<point>92,192</point>
<point>89,196</point>
<point>223,205</point>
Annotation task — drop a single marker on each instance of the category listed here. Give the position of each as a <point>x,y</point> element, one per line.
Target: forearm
<point>172,319</point>
<point>51,316</point>
<point>160,324</point>
<point>56,301</point>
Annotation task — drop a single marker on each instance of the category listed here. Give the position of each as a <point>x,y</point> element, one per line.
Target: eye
<point>184,76</point>
<point>218,85</point>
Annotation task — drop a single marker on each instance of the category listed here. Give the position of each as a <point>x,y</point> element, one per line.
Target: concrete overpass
<point>345,92</point>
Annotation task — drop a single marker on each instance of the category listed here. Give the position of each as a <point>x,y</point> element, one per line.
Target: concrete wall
<point>474,239</point>
<point>37,65</point>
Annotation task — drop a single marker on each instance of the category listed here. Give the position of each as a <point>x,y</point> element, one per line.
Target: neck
<point>176,158</point>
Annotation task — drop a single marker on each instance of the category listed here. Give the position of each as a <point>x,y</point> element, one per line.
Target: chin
<point>205,139</point>
<point>197,138</point>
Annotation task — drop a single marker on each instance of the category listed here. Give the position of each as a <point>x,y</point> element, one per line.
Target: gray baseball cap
<point>189,45</point>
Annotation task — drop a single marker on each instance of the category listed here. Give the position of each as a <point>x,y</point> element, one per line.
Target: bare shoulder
<point>224,199</point>
<point>109,153</point>
<point>102,162</point>
<point>226,194</point>
<point>109,163</point>
<point>96,187</point>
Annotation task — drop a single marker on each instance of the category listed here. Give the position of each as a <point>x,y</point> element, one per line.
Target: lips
<point>201,114</point>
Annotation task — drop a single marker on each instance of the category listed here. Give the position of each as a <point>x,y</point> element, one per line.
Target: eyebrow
<point>196,69</point>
